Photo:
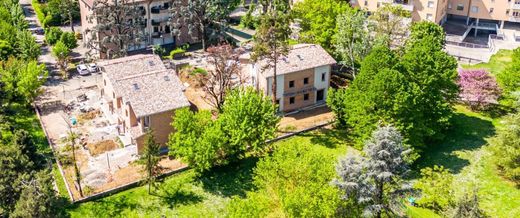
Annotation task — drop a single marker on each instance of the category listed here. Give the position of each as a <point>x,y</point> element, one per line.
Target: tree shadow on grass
<point>108,207</point>
<point>330,138</point>
<point>174,198</point>
<point>467,133</point>
<point>230,180</point>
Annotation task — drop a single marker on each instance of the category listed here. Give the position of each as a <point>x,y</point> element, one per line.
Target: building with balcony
<point>156,16</point>
<point>302,78</point>
<point>141,94</point>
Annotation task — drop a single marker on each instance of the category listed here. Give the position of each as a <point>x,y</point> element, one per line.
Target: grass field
<point>464,153</point>
<point>496,64</point>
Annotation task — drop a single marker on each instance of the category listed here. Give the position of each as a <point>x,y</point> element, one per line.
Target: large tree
<point>224,74</point>
<point>353,40</point>
<point>22,79</point>
<point>318,20</point>
<point>150,160</point>
<point>375,181</point>
<point>118,26</point>
<point>204,19</point>
<point>391,22</point>
<point>272,40</point>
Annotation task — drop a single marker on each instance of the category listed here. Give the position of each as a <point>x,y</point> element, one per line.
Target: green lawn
<point>466,153</point>
<point>496,64</point>
<point>188,195</point>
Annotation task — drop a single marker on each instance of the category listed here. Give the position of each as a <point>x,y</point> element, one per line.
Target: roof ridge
<point>126,59</point>
<point>144,74</point>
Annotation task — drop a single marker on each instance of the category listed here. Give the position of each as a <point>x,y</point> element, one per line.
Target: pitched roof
<point>145,83</point>
<point>300,57</point>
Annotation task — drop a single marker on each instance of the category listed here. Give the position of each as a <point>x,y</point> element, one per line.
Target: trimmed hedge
<point>40,14</point>
<point>46,19</point>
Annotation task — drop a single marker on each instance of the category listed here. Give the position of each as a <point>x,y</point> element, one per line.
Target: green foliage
<point>177,52</point>
<point>40,14</point>
<point>200,71</point>
<point>389,22</point>
<point>27,47</point>
<point>506,146</point>
<point>53,35</point>
<point>247,121</point>
<point>5,50</point>
<point>412,91</point>
<point>292,182</point>
<point>150,160</point>
<point>318,20</point>
<point>22,80</point>
<point>69,39</point>
<point>435,185</point>
<point>424,29</point>
<point>468,206</point>
<point>509,79</point>
<point>249,21</point>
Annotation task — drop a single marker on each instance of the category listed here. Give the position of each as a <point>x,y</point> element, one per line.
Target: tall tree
<point>506,147</point>
<point>205,19</point>
<point>150,160</point>
<point>392,23</point>
<point>26,46</point>
<point>118,26</point>
<point>70,10</point>
<point>353,38</point>
<point>224,75</point>
<point>22,79</point>
<point>61,52</point>
<point>38,198</point>
<point>318,20</point>
<point>271,40</point>
<point>375,181</point>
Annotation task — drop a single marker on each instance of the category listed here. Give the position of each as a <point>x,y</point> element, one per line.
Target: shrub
<point>199,71</point>
<point>175,53</point>
<point>39,12</point>
<point>435,185</point>
<point>69,40</point>
<point>478,89</point>
<point>506,146</point>
<point>52,35</point>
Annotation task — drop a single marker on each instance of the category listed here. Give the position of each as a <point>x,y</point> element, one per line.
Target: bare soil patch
<point>102,147</point>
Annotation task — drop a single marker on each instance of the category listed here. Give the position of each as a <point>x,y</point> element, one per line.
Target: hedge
<point>40,14</point>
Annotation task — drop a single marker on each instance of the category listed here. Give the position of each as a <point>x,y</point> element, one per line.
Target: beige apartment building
<point>156,16</point>
<point>141,94</point>
<point>302,79</point>
<point>438,11</point>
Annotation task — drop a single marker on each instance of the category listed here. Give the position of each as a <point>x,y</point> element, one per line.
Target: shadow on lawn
<point>233,179</point>
<point>468,133</point>
<point>109,207</point>
<point>330,138</point>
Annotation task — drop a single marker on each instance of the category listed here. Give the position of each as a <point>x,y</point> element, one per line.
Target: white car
<point>92,68</point>
<point>82,69</point>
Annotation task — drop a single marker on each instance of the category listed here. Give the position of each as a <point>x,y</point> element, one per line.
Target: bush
<point>199,71</point>
<point>176,53</point>
<point>435,184</point>
<point>69,40</point>
<point>506,146</point>
<point>52,35</point>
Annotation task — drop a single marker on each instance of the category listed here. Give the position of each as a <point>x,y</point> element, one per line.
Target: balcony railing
<point>515,5</point>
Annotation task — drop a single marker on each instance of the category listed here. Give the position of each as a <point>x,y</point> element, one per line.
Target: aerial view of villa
<point>260,108</point>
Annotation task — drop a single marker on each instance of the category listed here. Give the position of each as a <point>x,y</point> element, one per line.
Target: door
<point>320,95</point>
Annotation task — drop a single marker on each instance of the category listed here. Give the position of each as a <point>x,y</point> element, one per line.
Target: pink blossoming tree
<point>478,89</point>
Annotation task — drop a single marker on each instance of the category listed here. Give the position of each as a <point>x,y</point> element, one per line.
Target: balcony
<point>407,5</point>
<point>514,19</point>
<point>160,9</point>
<point>515,5</point>
<point>156,23</point>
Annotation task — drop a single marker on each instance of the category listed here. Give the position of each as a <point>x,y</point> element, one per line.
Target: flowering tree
<point>478,89</point>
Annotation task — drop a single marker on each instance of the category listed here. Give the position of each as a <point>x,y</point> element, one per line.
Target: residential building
<point>156,15</point>
<point>141,94</point>
<point>302,78</point>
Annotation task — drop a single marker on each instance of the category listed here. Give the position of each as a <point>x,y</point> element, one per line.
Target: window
<point>105,82</point>
<point>155,29</point>
<point>366,3</point>
<point>474,9</point>
<point>306,80</point>
<point>113,94</point>
<point>429,17</point>
<point>291,83</point>
<point>378,4</point>
<point>126,113</point>
<point>449,5</point>
<point>430,4</point>
<point>323,76</point>
<point>460,7</point>
<point>491,10</point>
<point>291,100</point>
<point>306,96</point>
<point>146,122</point>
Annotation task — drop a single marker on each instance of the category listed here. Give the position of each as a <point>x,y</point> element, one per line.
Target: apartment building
<point>156,16</point>
<point>141,94</point>
<point>438,11</point>
<point>302,79</point>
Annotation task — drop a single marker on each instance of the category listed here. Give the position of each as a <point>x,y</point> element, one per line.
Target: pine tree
<point>150,160</point>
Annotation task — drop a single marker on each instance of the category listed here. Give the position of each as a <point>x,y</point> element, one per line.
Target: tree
<point>435,185</point>
<point>198,140</point>
<point>478,89</point>
<point>506,147</point>
<point>318,20</point>
<point>69,10</point>
<point>61,52</point>
<point>38,198</point>
<point>353,38</point>
<point>468,206</point>
<point>291,182</point>
<point>150,160</point>
<point>69,39</point>
<point>271,41</point>
<point>509,79</point>
<point>423,29</point>
<point>118,27</point>
<point>205,19</point>
<point>22,79</point>
<point>249,120</point>
<point>391,23</point>
<point>26,46</point>
<point>53,35</point>
<point>13,164</point>
<point>224,75</point>
<point>375,182</point>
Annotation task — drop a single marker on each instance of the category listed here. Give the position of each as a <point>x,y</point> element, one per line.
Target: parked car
<point>92,67</point>
<point>82,69</point>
